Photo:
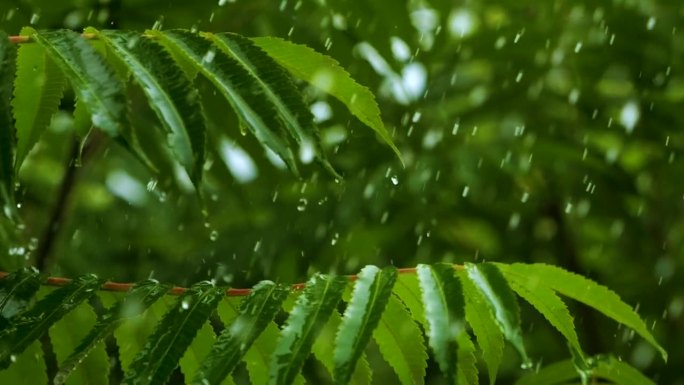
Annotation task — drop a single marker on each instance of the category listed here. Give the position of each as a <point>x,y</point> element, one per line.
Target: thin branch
<point>177,290</point>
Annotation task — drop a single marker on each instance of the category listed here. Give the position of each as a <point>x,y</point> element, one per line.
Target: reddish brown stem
<point>177,290</point>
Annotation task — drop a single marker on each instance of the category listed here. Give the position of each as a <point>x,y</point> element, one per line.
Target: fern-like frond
<point>38,88</point>
<point>165,347</point>
<point>583,290</point>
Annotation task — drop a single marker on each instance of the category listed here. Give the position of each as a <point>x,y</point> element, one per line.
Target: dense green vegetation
<point>536,133</point>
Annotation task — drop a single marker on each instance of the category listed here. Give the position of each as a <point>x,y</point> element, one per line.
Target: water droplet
<point>578,47</point>
<point>151,185</point>
<point>334,239</point>
<point>301,205</point>
<point>34,19</point>
<point>185,305</point>
<point>651,23</point>
<point>466,189</point>
<point>213,235</point>
<point>209,56</point>
<point>395,180</point>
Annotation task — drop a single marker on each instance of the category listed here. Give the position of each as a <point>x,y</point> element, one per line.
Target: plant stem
<point>47,240</point>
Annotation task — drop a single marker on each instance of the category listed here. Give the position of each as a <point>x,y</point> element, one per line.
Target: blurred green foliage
<point>532,132</point>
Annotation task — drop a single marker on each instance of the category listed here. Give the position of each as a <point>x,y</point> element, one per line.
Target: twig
<point>177,290</point>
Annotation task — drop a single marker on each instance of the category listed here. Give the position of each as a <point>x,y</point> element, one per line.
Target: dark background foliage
<point>531,131</point>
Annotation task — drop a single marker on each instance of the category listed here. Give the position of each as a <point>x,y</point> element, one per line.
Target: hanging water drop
<point>301,205</point>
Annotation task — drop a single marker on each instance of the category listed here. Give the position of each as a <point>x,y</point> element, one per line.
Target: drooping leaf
<point>256,311</point>
<point>407,289</point>
<point>481,319</point>
<point>547,302</point>
<point>323,353</point>
<point>442,298</point>
<point>401,343</point>
<point>65,336</point>
<point>28,368</point>
<point>491,283</point>
<point>94,83</point>
<point>8,53</point>
<point>16,291</point>
<point>38,88</point>
<point>132,334</point>
<point>142,296</point>
<point>557,373</point>
<point>372,291</point>
<point>467,362</point>
<point>311,311</point>
<point>170,95</point>
<point>583,290</point>
<point>326,74</point>
<point>160,356</point>
<point>236,85</point>
<point>278,88</point>
<point>33,323</point>
<point>197,351</point>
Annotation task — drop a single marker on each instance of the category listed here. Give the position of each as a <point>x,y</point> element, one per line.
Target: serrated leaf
<point>16,291</point>
<point>160,356</point>
<point>481,319</point>
<point>170,95</point>
<point>311,311</point>
<point>197,351</point>
<point>132,334</point>
<point>33,323</point>
<point>401,343</point>
<point>277,86</point>
<point>583,290</point>
<point>545,300</point>
<point>94,83</point>
<point>323,353</point>
<point>407,289</point>
<point>491,283</point>
<point>467,362</point>
<point>442,298</point>
<point>28,368</point>
<point>619,372</point>
<point>8,53</point>
<point>326,74</point>
<point>256,311</point>
<point>372,290</point>
<point>38,88</point>
<point>65,336</point>
<point>142,296</point>
<point>236,85</point>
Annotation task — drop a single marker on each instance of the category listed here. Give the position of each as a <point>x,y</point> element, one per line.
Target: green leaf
<point>323,353</point>
<point>28,368</point>
<point>606,368</point>
<point>95,84</point>
<point>256,311</point>
<point>169,93</point>
<point>445,314</point>
<point>467,362</point>
<point>38,88</point>
<point>160,356</point>
<point>491,283</point>
<point>326,74</point>
<point>583,290</point>
<point>141,297</point>
<point>481,319</point>
<point>16,291</point>
<point>65,335</point>
<point>8,53</point>
<point>132,334</point>
<point>197,351</point>
<point>311,311</point>
<point>278,87</point>
<point>236,85</point>
<point>545,300</point>
<point>30,325</point>
<point>407,289</point>
<point>372,290</point>
<point>401,343</point>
